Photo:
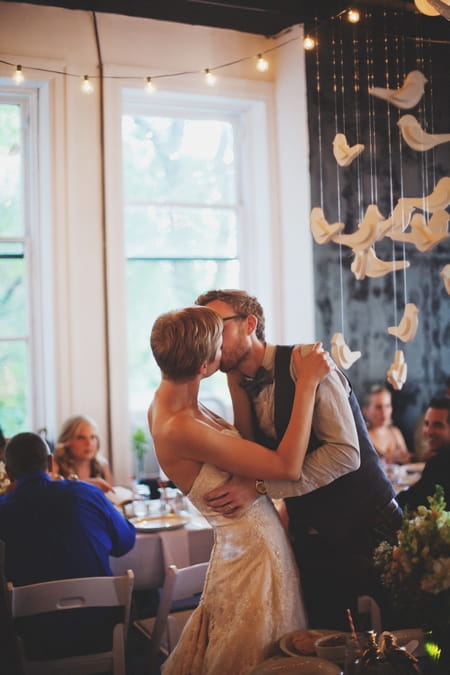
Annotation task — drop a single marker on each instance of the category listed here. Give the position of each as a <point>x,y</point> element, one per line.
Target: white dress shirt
<point>333,425</point>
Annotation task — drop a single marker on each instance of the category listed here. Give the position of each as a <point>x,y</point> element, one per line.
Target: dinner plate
<point>306,665</point>
<point>169,521</point>
<point>288,648</point>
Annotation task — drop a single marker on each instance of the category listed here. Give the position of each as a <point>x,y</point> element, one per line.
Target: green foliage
<point>140,444</point>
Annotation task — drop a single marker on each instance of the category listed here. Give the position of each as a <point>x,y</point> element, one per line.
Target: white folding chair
<point>165,628</point>
<point>368,607</point>
<point>74,594</point>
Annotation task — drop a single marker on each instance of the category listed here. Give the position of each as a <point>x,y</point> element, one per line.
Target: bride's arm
<point>190,439</point>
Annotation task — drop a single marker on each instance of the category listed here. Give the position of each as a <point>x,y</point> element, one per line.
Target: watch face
<point>260,487</point>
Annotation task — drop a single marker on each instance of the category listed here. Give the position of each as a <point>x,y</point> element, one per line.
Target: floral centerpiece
<point>416,570</point>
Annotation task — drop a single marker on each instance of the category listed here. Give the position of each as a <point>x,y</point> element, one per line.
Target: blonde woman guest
<point>387,439</point>
<point>76,454</point>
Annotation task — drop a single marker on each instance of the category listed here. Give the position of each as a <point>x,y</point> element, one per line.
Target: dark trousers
<point>332,577</point>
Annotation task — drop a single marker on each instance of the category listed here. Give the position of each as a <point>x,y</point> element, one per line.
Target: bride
<point>252,591</point>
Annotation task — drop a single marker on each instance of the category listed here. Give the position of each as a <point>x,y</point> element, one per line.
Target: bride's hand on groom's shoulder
<point>315,364</point>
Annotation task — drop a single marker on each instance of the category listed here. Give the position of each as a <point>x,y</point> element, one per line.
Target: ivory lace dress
<point>252,590</point>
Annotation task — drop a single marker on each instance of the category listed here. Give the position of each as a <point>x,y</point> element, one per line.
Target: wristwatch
<point>260,487</point>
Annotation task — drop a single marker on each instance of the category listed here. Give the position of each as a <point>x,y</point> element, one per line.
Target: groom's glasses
<point>235,316</point>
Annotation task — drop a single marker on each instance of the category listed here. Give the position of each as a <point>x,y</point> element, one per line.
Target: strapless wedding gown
<point>251,595</point>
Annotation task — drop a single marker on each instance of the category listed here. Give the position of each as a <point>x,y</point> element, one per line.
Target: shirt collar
<point>268,361</point>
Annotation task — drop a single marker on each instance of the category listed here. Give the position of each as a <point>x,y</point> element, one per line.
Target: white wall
<point>64,40</point>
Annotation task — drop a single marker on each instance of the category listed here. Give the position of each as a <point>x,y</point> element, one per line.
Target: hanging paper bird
<point>445,274</point>
<point>406,96</point>
<point>321,229</point>
<point>416,137</point>
<point>343,152</point>
<point>398,370</point>
<point>341,353</point>
<point>367,264</point>
<point>407,328</point>
<point>438,199</point>
<point>424,236</point>
<point>367,232</point>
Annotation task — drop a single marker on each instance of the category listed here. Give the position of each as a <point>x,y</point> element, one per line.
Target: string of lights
<point>310,42</point>
<point>261,62</point>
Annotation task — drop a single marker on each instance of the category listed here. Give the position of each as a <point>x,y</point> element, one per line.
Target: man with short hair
<point>436,431</point>
<point>58,530</point>
<point>55,529</point>
<point>343,504</point>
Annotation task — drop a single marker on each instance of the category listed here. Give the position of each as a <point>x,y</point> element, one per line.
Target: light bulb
<point>87,86</point>
<point>150,87</point>
<point>18,75</point>
<point>262,64</point>
<point>309,43</point>
<point>210,77</point>
<point>353,15</point>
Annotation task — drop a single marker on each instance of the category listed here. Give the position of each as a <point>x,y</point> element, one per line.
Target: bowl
<point>331,647</point>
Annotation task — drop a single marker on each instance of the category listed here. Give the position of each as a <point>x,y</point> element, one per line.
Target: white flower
<point>438,579</point>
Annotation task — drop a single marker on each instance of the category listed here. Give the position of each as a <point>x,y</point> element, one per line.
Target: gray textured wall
<point>380,49</point>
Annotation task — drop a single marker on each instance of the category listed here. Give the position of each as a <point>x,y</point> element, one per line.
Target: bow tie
<point>253,385</point>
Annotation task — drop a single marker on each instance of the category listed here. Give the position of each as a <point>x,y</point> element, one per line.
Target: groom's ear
<point>252,324</point>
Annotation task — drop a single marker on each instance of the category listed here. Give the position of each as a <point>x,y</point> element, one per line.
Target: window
<point>190,207</point>
<point>21,356</point>
<point>182,219</point>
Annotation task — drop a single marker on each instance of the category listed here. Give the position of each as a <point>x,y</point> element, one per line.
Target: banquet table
<point>153,552</point>
<point>405,475</point>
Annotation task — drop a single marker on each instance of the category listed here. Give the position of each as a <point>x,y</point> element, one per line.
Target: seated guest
<point>55,529</point>
<point>436,430</point>
<point>58,530</point>
<point>387,439</point>
<point>76,453</point>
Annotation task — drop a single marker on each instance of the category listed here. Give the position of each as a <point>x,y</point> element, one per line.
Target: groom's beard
<point>232,358</point>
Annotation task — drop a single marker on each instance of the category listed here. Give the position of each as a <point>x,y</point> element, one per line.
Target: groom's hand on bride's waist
<point>232,497</point>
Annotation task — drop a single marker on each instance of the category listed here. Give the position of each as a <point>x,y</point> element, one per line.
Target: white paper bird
<point>342,354</point>
<point>438,199</point>
<point>398,370</point>
<point>434,7</point>
<point>343,152</point>
<point>406,96</point>
<point>425,236</point>
<point>321,230</point>
<point>398,221</point>
<point>407,328</point>
<point>367,232</point>
<point>416,137</point>
<point>445,274</point>
<point>367,264</point>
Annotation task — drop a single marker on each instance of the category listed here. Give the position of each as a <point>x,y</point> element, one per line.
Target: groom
<point>343,505</point>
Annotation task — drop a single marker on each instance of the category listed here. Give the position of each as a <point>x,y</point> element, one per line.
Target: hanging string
<point>391,181</point>
<point>422,119</point>
<point>342,91</point>
<point>429,94</point>
<point>338,181</point>
<point>371,115</point>
<point>357,107</point>
<point>319,120</point>
<point>401,74</point>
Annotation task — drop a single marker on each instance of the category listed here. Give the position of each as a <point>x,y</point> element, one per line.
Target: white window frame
<point>253,102</point>
<point>33,96</point>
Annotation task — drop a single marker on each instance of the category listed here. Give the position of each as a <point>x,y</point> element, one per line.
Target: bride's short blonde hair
<point>184,339</point>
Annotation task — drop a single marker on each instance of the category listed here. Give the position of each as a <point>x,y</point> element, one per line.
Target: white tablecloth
<point>153,552</point>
